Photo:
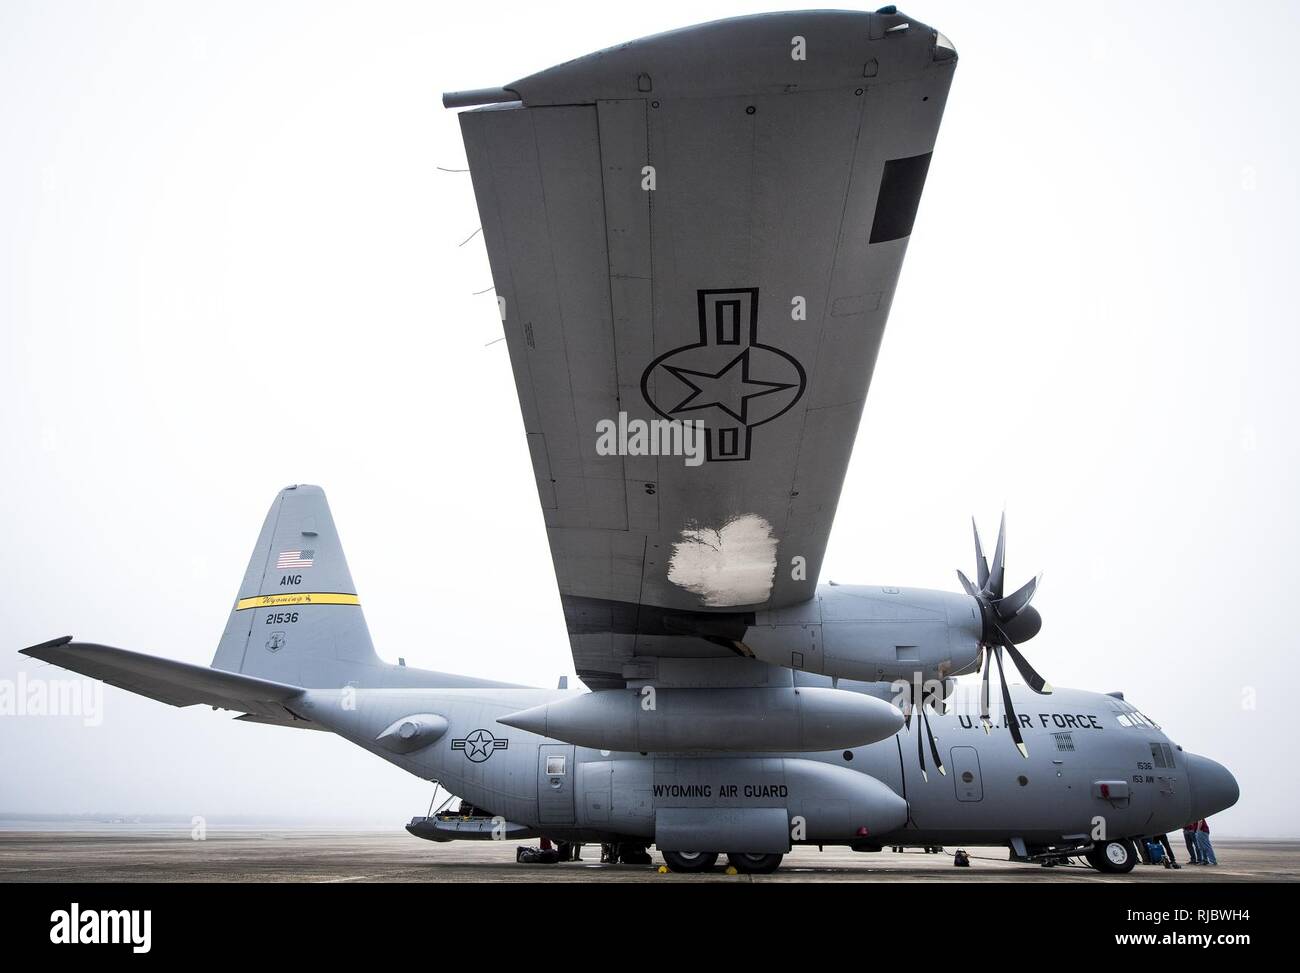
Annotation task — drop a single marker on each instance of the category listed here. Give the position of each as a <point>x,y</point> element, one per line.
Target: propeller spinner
<point>1008,620</point>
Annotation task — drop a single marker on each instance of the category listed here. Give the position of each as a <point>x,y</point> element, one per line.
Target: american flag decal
<point>291,560</point>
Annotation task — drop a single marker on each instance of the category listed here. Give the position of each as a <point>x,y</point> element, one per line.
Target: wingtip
<point>51,644</point>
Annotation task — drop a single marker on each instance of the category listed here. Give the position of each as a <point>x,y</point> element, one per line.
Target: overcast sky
<point>229,261</point>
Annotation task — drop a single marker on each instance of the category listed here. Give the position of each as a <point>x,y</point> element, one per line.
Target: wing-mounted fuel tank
<point>650,720</point>
<point>872,633</point>
<point>744,804</point>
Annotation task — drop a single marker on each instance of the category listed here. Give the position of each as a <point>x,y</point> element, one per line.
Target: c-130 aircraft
<point>695,239</point>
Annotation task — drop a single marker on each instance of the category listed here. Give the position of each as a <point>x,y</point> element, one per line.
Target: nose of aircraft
<point>1212,786</point>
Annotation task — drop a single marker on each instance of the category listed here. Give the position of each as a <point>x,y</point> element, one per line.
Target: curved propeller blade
<point>984,690</point>
<point>1013,721</point>
<point>934,747</point>
<point>920,750</point>
<point>1016,602</point>
<point>1035,682</point>
<point>913,707</point>
<point>965,583</point>
<point>981,562</point>
<point>998,570</point>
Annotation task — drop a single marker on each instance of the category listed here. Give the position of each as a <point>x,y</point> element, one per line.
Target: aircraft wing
<point>168,681</point>
<point>702,226</point>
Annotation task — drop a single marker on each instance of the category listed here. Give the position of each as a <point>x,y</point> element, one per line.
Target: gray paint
<point>601,280</point>
<point>768,171</point>
<point>749,719</point>
<point>865,796</point>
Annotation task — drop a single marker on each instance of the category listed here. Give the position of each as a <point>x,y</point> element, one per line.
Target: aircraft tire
<point>690,861</point>
<point>754,864</point>
<point>1113,857</point>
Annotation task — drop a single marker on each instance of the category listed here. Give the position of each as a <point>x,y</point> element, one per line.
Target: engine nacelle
<point>872,634</point>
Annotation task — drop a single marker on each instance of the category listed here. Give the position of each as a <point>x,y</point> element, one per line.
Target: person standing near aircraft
<point>1203,843</point>
<point>1161,852</point>
<point>1156,850</point>
<point>1170,861</point>
<point>1189,838</point>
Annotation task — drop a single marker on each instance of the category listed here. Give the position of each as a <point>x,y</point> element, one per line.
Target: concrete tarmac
<point>354,856</point>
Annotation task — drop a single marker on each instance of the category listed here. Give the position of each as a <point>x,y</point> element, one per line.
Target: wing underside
<point>696,238</point>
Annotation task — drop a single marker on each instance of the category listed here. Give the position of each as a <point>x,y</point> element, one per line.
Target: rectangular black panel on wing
<point>899,197</point>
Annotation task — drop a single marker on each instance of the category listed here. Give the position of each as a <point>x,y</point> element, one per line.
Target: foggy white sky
<point>228,263</point>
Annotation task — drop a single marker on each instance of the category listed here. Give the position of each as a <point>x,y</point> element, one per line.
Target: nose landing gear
<point>1112,857</point>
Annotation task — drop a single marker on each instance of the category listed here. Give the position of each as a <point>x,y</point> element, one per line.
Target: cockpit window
<point>1162,755</point>
<point>1134,718</point>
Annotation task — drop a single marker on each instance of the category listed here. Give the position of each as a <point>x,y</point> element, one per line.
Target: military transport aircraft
<point>695,240</point>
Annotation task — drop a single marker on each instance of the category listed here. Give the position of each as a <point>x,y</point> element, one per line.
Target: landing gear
<point>754,864</point>
<point>1113,857</point>
<point>690,861</point>
<point>703,861</point>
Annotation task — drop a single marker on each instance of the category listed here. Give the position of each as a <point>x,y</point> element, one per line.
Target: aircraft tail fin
<point>297,618</point>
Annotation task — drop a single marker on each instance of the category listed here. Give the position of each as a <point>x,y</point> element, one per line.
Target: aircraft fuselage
<point>1088,775</point>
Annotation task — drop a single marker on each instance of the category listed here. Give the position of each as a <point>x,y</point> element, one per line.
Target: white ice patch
<point>727,567</point>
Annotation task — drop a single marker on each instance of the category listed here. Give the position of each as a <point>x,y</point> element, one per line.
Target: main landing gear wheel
<point>690,861</point>
<point>1114,857</point>
<point>754,864</point>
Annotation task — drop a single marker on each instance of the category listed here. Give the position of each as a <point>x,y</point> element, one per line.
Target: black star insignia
<point>479,744</point>
<point>726,388</point>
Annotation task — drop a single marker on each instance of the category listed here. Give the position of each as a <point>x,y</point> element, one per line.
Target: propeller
<point>910,707</point>
<point>1008,620</point>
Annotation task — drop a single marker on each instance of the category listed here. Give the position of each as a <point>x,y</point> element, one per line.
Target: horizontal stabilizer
<point>166,680</point>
